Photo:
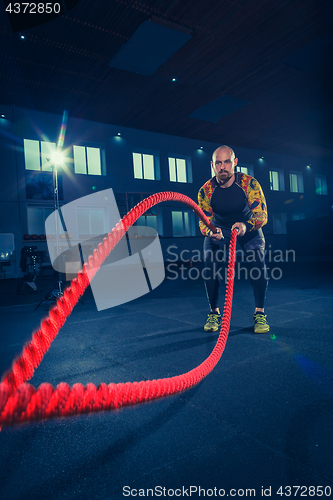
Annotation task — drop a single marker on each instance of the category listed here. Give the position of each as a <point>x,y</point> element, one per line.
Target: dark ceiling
<point>273,54</point>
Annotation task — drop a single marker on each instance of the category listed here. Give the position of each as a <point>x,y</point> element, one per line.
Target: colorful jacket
<point>254,195</point>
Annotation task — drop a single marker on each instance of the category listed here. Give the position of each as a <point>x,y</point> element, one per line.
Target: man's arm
<point>204,204</point>
<point>257,203</point>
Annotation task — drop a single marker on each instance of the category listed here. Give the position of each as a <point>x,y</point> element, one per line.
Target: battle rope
<point>21,402</point>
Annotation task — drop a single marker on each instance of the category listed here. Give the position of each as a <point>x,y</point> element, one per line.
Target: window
<point>180,169</point>
<point>245,169</point>
<point>91,221</point>
<point>37,154</point>
<point>321,185</point>
<point>297,216</point>
<point>276,180</point>
<point>36,219</point>
<point>151,218</point>
<point>144,221</point>
<point>280,223</point>
<point>183,223</point>
<point>146,166</point>
<point>296,182</point>
<point>87,160</point>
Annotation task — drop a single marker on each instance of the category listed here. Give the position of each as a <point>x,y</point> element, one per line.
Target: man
<point>233,200</point>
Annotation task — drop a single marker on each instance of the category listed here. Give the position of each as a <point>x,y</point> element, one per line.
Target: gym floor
<point>261,420</point>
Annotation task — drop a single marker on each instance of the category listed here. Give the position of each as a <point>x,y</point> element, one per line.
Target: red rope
<point>21,402</point>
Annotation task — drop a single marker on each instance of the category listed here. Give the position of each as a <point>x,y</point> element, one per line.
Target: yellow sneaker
<point>214,321</point>
<point>260,323</point>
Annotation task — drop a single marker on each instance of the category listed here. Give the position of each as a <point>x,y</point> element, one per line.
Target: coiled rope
<point>21,402</point>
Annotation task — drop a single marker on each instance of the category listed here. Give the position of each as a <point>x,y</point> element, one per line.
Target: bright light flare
<point>63,129</point>
<point>57,158</point>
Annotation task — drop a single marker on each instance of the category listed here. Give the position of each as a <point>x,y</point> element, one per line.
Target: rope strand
<point>21,402</point>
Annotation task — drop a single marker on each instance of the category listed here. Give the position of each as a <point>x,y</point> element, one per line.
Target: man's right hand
<point>217,236</point>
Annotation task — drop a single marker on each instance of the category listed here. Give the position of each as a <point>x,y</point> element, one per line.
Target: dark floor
<point>261,419</point>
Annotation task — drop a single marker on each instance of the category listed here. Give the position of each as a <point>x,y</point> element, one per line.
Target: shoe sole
<point>211,329</point>
<point>261,330</point>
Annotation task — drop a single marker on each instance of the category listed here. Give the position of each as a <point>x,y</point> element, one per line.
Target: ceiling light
<point>3,116</point>
<point>119,133</point>
<point>174,79</point>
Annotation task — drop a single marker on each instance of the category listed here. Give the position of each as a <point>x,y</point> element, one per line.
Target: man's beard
<point>222,179</point>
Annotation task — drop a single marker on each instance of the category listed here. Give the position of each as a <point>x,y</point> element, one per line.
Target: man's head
<point>224,163</point>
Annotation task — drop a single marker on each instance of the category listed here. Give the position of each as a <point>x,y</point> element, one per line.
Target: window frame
<point>284,217</point>
<point>188,167</point>
<point>49,207</point>
<point>70,157</point>
<point>248,166</point>
<point>86,146</point>
<point>39,156</point>
<point>323,185</point>
<point>144,218</point>
<point>298,216</point>
<point>300,181</point>
<point>191,223</point>
<point>281,182</point>
<point>156,163</point>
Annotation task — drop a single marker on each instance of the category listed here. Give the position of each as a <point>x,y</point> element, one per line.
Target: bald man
<point>233,200</point>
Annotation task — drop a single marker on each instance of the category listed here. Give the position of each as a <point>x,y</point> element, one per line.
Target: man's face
<point>223,165</point>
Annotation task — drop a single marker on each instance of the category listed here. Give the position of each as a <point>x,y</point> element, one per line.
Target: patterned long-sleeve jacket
<point>255,199</point>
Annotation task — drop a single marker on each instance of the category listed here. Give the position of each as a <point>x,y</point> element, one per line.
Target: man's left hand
<point>241,228</point>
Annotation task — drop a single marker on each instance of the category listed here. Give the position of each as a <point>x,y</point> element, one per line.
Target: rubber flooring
<point>260,424</point>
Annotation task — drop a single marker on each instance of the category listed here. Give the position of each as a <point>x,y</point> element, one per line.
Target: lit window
<point>182,223</point>
<point>47,149</point>
<point>94,161</point>
<point>280,223</point>
<point>296,182</point>
<point>180,170</point>
<point>321,185</point>
<point>276,180</point>
<point>144,167</point>
<point>80,162</point>
<point>31,154</point>
<point>87,160</point>
<point>37,154</point>
<point>137,164</point>
<point>245,169</point>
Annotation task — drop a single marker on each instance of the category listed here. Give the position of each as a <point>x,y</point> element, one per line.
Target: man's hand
<point>241,228</point>
<point>217,236</point>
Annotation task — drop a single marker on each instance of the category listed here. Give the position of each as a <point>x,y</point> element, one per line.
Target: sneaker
<point>214,321</point>
<point>260,323</point>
